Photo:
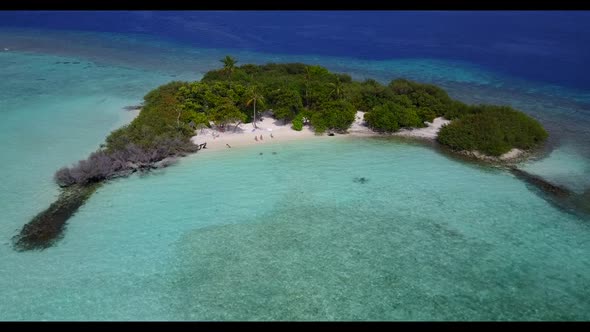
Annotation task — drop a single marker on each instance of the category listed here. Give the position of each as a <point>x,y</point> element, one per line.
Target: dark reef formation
<point>78,184</point>
<point>545,186</point>
<point>47,227</point>
<point>561,197</point>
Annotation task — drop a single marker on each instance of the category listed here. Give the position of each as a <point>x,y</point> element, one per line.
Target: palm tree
<point>229,65</point>
<point>254,96</point>
<point>337,88</point>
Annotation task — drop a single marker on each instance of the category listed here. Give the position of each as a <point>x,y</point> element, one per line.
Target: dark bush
<point>102,165</point>
<point>425,96</point>
<point>298,123</point>
<point>391,116</point>
<point>334,115</point>
<point>493,130</point>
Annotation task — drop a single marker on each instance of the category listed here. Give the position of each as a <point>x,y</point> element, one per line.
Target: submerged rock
<point>360,180</point>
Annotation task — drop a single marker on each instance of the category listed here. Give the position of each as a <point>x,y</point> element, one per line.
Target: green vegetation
<point>492,130</point>
<point>407,104</point>
<point>289,90</point>
<point>391,116</point>
<point>162,116</point>
<point>335,115</point>
<point>160,131</point>
<point>305,95</point>
<point>295,92</point>
<point>298,123</point>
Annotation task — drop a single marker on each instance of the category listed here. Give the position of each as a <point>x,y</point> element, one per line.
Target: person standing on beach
<point>261,137</point>
<point>256,138</point>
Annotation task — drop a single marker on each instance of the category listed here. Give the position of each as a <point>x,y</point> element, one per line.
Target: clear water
<point>290,236</point>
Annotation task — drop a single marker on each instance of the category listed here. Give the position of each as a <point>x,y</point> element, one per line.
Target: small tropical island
<point>255,104</point>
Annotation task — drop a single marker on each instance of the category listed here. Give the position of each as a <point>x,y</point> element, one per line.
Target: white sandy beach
<point>429,132</point>
<point>245,134</point>
<point>359,128</point>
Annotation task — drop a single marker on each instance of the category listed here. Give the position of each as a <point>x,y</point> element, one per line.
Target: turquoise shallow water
<point>53,114</point>
<point>239,236</point>
<point>279,236</point>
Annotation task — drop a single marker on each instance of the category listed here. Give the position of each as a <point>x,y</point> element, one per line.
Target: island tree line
<point>299,94</point>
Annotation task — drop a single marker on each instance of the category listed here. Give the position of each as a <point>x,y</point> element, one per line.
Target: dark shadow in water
<point>47,227</point>
<point>361,180</point>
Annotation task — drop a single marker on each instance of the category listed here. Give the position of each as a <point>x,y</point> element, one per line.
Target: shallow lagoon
<point>240,235</point>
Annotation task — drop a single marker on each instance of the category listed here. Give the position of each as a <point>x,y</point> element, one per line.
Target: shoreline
<point>245,134</point>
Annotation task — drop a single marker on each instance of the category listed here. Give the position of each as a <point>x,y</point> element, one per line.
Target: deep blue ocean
<point>282,231</point>
<point>551,46</point>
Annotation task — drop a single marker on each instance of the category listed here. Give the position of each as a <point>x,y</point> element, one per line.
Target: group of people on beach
<point>261,138</point>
